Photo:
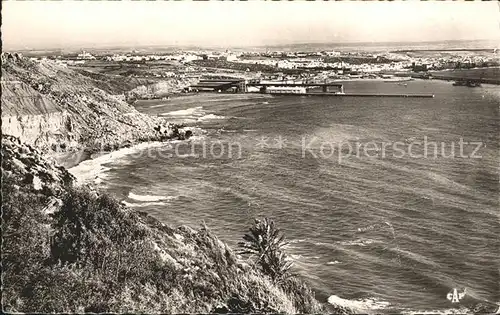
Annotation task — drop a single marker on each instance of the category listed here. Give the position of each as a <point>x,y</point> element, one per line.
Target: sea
<point>388,204</point>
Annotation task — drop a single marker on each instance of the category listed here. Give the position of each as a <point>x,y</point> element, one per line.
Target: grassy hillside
<point>75,249</point>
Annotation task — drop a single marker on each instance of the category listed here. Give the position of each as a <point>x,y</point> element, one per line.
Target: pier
<point>288,88</point>
<point>222,85</point>
<point>325,86</point>
<point>367,95</point>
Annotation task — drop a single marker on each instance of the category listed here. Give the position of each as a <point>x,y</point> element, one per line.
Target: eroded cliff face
<point>160,89</point>
<point>57,109</point>
<point>43,130</point>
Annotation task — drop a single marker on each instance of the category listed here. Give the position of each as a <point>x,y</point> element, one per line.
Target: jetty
<point>302,88</point>
<point>369,95</point>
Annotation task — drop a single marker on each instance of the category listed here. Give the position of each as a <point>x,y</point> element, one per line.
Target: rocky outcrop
<point>49,130</point>
<point>26,166</point>
<point>57,109</point>
<point>11,57</point>
<point>160,89</point>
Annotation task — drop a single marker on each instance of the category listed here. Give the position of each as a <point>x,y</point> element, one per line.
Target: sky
<point>54,24</point>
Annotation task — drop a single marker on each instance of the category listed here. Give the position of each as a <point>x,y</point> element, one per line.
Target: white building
<point>75,62</point>
<point>231,57</point>
<point>286,90</point>
<point>85,56</point>
<point>189,58</point>
<point>116,58</point>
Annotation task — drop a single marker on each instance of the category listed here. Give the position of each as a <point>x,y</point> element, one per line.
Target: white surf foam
<point>359,242</point>
<point>296,257</point>
<point>143,204</point>
<point>335,262</point>
<point>195,111</point>
<point>137,197</point>
<point>94,170</point>
<point>156,106</point>
<point>210,117</point>
<point>194,139</point>
<point>359,305</point>
<point>299,240</point>
<point>461,310</point>
<point>89,172</point>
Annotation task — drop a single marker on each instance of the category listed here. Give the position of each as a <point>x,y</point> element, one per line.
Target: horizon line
<point>207,46</point>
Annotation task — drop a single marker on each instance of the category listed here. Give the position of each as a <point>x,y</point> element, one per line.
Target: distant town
<point>182,70</point>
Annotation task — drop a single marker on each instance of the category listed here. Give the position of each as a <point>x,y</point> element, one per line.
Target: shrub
<point>24,241</point>
<point>94,255</point>
<point>302,296</point>
<point>88,225</point>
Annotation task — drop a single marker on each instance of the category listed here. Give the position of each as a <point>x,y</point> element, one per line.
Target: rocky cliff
<point>26,167</point>
<point>57,109</point>
<point>74,249</point>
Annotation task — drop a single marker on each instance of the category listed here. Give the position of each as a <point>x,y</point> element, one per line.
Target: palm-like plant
<point>266,241</point>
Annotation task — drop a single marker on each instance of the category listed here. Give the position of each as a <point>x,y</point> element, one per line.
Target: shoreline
<point>188,96</point>
<point>88,170</point>
<point>163,133</point>
<point>69,159</point>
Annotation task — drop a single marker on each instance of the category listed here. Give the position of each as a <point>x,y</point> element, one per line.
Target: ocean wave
<point>323,244</point>
<point>296,257</point>
<point>155,106</point>
<point>143,204</point>
<point>359,305</point>
<point>94,169</point>
<point>298,240</point>
<point>461,310</point>
<point>89,172</point>
<point>194,111</point>
<point>137,197</point>
<point>359,242</point>
<point>195,138</point>
<point>335,262</point>
<point>210,116</point>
